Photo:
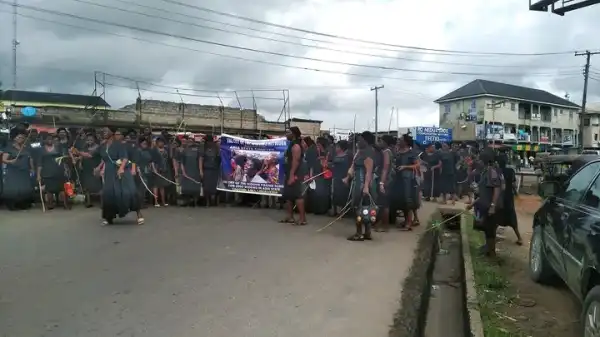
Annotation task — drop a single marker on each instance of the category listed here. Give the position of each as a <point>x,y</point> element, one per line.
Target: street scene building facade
<point>531,119</point>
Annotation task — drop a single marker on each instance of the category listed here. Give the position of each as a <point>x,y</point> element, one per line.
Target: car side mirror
<point>547,189</point>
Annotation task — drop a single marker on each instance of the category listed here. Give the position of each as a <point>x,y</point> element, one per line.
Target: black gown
<point>119,194</point>
<point>405,192</point>
<point>90,182</point>
<point>211,167</point>
<point>53,169</point>
<point>17,186</point>
<point>190,183</point>
<point>163,165</point>
<point>341,191</point>
<point>447,182</point>
<point>431,181</point>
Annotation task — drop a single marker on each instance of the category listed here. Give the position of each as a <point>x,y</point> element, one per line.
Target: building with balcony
<point>532,119</point>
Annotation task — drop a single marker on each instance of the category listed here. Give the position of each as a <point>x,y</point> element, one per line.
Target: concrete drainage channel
<point>439,298</point>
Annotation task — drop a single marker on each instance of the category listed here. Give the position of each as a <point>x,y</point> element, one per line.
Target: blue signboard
<point>428,135</point>
<point>28,111</point>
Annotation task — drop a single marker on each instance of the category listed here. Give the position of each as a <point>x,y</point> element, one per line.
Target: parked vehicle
<point>566,236</point>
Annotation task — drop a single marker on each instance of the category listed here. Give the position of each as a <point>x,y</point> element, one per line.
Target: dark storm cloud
<point>63,59</point>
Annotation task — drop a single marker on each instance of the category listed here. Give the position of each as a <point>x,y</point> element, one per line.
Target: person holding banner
<point>292,188</point>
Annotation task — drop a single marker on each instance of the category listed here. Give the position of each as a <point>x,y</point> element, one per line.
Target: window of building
<point>513,106</point>
<point>555,112</point>
<point>570,113</point>
<point>586,122</point>
<point>447,108</point>
<point>458,104</point>
<point>595,137</point>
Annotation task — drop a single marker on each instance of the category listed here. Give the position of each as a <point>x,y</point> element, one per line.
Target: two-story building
<point>532,119</point>
<point>591,126</point>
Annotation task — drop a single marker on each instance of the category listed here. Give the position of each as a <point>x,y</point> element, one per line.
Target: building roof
<point>304,120</point>
<point>52,98</point>
<point>485,87</point>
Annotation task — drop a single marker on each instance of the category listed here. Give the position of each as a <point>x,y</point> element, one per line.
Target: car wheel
<point>539,268</point>
<point>591,313</point>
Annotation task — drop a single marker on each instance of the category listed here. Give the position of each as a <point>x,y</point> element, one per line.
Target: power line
<point>231,91</point>
<point>239,17</point>
<point>225,45</point>
<point>278,40</point>
<point>325,71</point>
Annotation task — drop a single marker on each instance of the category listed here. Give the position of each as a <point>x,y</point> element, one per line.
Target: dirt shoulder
<point>515,305</point>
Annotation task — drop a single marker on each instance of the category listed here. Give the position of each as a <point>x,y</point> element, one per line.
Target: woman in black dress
<point>163,174</point>
<point>210,169</point>
<point>405,189</point>
<point>386,174</point>
<point>119,194</point>
<point>341,162</point>
<point>190,172</point>
<point>508,216</point>
<point>17,187</point>
<point>431,173</point>
<point>364,190</point>
<point>91,183</point>
<point>144,167</point>
<point>52,172</point>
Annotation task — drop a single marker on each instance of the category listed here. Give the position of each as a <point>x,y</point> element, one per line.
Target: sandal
<point>140,221</point>
<point>367,237</point>
<point>416,223</point>
<point>287,220</point>
<point>157,205</point>
<point>301,223</point>
<point>356,237</point>
<point>406,229</point>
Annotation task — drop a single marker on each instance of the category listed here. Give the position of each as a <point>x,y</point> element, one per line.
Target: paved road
<point>195,272</point>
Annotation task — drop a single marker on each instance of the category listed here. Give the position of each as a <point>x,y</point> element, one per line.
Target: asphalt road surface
<point>195,272</point>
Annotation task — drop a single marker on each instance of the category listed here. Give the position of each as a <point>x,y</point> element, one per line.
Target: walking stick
<point>343,212</point>
<point>432,182</point>
<point>42,197</point>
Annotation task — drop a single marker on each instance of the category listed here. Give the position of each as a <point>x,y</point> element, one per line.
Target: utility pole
<point>586,73</point>
<point>376,89</point>
<point>15,43</point>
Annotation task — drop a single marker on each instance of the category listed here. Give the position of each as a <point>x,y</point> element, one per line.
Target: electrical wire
<point>324,71</point>
<point>283,41</point>
<point>239,17</point>
<point>225,45</point>
<point>231,91</point>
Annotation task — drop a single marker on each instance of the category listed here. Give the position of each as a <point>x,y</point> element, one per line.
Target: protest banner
<point>252,166</point>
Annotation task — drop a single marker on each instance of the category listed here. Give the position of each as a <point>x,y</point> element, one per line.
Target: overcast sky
<point>59,58</point>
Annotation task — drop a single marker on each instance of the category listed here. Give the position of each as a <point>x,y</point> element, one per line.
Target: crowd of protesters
<point>125,171</point>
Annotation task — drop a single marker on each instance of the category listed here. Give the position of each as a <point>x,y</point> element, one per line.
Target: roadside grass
<point>494,291</point>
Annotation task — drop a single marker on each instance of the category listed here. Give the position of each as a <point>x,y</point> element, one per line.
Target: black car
<point>566,237</point>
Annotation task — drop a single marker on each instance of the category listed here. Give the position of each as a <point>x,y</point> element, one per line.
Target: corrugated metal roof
<point>485,87</point>
<point>53,98</point>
